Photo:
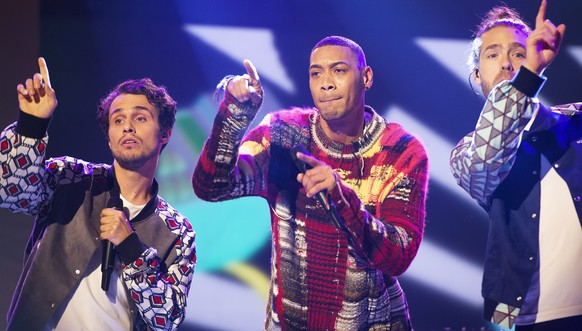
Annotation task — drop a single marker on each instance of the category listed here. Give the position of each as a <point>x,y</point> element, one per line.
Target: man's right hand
<point>248,86</point>
<point>37,97</point>
<point>543,44</point>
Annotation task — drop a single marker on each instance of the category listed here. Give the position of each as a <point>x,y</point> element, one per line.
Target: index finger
<point>541,13</point>
<point>251,70</point>
<point>313,162</point>
<point>44,71</point>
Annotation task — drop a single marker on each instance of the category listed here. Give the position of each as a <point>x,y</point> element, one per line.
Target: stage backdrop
<point>417,50</point>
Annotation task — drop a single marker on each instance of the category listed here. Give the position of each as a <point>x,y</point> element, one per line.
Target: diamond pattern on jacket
<point>5,145</point>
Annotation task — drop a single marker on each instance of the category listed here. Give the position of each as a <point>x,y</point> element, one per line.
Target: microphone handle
<point>107,264</point>
<point>108,258</point>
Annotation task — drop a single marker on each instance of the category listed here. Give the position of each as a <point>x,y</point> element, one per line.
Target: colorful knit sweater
<point>317,282</point>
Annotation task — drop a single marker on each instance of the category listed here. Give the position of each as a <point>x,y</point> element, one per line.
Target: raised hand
<point>248,86</point>
<point>543,44</point>
<point>37,97</point>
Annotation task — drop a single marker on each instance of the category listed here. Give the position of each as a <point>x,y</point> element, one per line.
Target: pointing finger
<point>44,71</point>
<point>313,162</point>
<point>251,70</point>
<point>541,14</point>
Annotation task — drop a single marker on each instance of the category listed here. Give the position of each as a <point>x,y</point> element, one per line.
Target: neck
<point>135,185</point>
<point>342,131</point>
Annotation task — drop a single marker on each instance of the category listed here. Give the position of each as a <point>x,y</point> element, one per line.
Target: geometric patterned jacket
<point>67,195</point>
<point>498,164</point>
<point>319,281</point>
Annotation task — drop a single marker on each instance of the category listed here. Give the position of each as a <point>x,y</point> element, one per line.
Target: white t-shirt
<point>89,307</point>
<point>556,290</point>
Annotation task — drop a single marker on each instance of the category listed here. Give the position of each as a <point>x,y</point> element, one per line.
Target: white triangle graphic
<point>437,147</point>
<point>451,53</point>
<point>239,43</point>
<point>576,52</point>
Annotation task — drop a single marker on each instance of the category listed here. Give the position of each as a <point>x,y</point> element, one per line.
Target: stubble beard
<point>330,114</point>
<point>134,161</point>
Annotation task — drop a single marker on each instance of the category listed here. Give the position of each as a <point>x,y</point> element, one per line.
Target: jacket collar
<point>151,205</point>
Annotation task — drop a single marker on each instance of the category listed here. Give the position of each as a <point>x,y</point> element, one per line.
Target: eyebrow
<point>117,110</point>
<point>333,64</point>
<point>513,45</point>
<point>516,45</point>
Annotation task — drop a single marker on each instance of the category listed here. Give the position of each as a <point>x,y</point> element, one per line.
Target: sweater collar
<point>373,128</point>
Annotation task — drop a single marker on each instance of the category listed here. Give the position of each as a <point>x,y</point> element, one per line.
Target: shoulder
<point>290,115</point>
<point>174,220</point>
<point>74,167</point>
<point>396,137</point>
<point>569,109</point>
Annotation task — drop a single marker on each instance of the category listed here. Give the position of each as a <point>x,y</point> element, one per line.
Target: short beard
<point>486,89</point>
<point>134,162</point>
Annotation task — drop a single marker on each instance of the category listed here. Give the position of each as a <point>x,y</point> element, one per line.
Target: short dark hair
<point>497,16</point>
<point>343,41</point>
<point>156,95</point>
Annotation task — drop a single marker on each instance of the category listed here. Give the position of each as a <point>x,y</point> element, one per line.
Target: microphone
<point>108,259</point>
<point>303,167</point>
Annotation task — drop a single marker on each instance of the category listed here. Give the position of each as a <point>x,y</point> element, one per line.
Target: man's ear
<point>166,136</point>
<point>476,76</point>
<point>368,77</point>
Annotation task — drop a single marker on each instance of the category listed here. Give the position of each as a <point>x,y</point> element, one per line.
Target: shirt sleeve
<point>484,157</point>
<point>224,171</point>
<point>389,238</point>
<point>159,294</point>
<point>24,183</point>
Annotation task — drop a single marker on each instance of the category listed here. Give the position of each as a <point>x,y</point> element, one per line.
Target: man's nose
<point>128,128</point>
<point>506,64</point>
<point>327,83</point>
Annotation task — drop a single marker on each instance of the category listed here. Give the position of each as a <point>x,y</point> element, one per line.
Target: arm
<point>221,173</point>
<point>23,184</point>
<point>148,282</point>
<point>483,158</point>
<point>389,238</point>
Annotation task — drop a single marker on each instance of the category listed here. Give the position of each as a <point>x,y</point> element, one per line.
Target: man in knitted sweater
<point>325,275</point>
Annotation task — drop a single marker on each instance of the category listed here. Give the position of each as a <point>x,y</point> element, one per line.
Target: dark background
<point>416,49</point>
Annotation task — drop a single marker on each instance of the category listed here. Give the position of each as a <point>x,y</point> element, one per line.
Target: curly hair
<point>497,16</point>
<point>156,95</point>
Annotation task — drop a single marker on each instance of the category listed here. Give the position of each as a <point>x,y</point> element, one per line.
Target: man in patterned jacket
<point>334,259</point>
<point>62,286</point>
<point>522,164</point>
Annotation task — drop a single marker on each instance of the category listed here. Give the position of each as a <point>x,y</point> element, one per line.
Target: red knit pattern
<point>384,181</point>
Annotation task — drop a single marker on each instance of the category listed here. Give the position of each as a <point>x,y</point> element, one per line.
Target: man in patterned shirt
<point>522,165</point>
<point>334,259</point>
<point>62,286</point>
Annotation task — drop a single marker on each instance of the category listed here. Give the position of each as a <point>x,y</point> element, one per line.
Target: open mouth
<point>129,142</point>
